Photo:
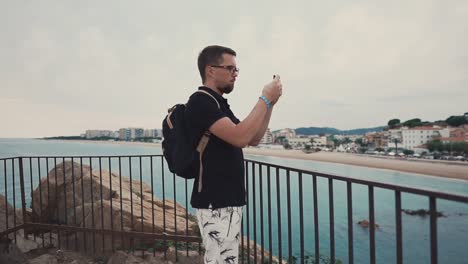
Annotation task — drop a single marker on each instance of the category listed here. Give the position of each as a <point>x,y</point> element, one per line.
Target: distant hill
<point>334,131</point>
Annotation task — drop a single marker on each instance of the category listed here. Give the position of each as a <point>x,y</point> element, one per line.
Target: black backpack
<point>181,158</point>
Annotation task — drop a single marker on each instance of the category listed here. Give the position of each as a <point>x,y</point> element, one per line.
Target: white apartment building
<point>124,134</point>
<point>131,133</point>
<point>417,136</point>
<point>298,142</point>
<point>137,133</point>
<point>152,133</point>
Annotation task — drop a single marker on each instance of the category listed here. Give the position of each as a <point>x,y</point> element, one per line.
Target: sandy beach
<point>456,170</point>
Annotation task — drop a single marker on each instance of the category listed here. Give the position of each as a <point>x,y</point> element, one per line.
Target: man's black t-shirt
<point>223,163</point>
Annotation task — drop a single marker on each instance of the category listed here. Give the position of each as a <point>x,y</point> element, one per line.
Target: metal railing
<point>278,175</point>
<point>104,212</point>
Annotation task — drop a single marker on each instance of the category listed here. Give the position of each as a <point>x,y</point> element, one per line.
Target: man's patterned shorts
<point>220,229</point>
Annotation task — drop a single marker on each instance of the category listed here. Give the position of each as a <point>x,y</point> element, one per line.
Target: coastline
<point>425,167</point>
<point>452,170</point>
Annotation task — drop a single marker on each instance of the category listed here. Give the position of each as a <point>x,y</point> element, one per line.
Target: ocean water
<point>452,229</point>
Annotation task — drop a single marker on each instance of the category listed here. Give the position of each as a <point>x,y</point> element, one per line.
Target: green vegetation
<point>408,152</point>
<point>64,138</point>
<point>103,138</point>
<point>412,122</point>
<point>146,139</point>
<point>396,141</point>
<point>454,121</point>
<point>392,123</point>
<point>456,147</point>
<point>360,142</point>
<point>281,140</point>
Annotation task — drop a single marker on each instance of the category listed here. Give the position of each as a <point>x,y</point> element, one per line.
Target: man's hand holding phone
<point>274,89</point>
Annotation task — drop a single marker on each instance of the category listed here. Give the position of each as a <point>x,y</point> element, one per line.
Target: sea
<point>452,228</point>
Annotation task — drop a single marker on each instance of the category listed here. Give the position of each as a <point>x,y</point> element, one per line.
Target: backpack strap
<point>201,148</point>
<point>170,110</point>
<point>168,118</point>
<point>203,143</point>
<point>207,93</point>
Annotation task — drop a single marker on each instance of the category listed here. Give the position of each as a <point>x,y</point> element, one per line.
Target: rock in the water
<point>421,212</point>
<point>364,223</point>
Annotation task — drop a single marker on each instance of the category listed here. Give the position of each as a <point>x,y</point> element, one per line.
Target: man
<point>221,194</point>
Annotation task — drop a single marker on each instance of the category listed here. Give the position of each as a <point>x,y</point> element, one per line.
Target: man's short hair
<point>212,55</point>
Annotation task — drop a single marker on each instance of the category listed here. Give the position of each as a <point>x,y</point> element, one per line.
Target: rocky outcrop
<point>365,224</point>
<point>71,194</point>
<point>421,212</point>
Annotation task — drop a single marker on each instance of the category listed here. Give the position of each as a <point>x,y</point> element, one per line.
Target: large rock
<point>57,198</point>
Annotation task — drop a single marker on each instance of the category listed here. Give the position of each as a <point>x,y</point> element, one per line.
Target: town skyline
<point>326,128</point>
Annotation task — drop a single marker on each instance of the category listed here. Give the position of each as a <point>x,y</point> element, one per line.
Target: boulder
<point>69,188</point>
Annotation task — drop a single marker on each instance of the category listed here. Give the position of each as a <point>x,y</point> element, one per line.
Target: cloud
<point>343,64</point>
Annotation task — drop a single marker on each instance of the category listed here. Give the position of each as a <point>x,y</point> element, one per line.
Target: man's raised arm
<point>247,130</point>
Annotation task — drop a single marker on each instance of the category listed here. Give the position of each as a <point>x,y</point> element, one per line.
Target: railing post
<point>23,197</point>
<point>433,230</point>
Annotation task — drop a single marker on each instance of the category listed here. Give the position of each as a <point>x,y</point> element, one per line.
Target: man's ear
<point>208,71</point>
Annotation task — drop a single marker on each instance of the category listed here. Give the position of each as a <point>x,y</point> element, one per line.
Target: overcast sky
<point>68,66</point>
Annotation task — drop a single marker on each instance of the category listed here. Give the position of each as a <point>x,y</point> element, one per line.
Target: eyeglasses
<point>230,68</point>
